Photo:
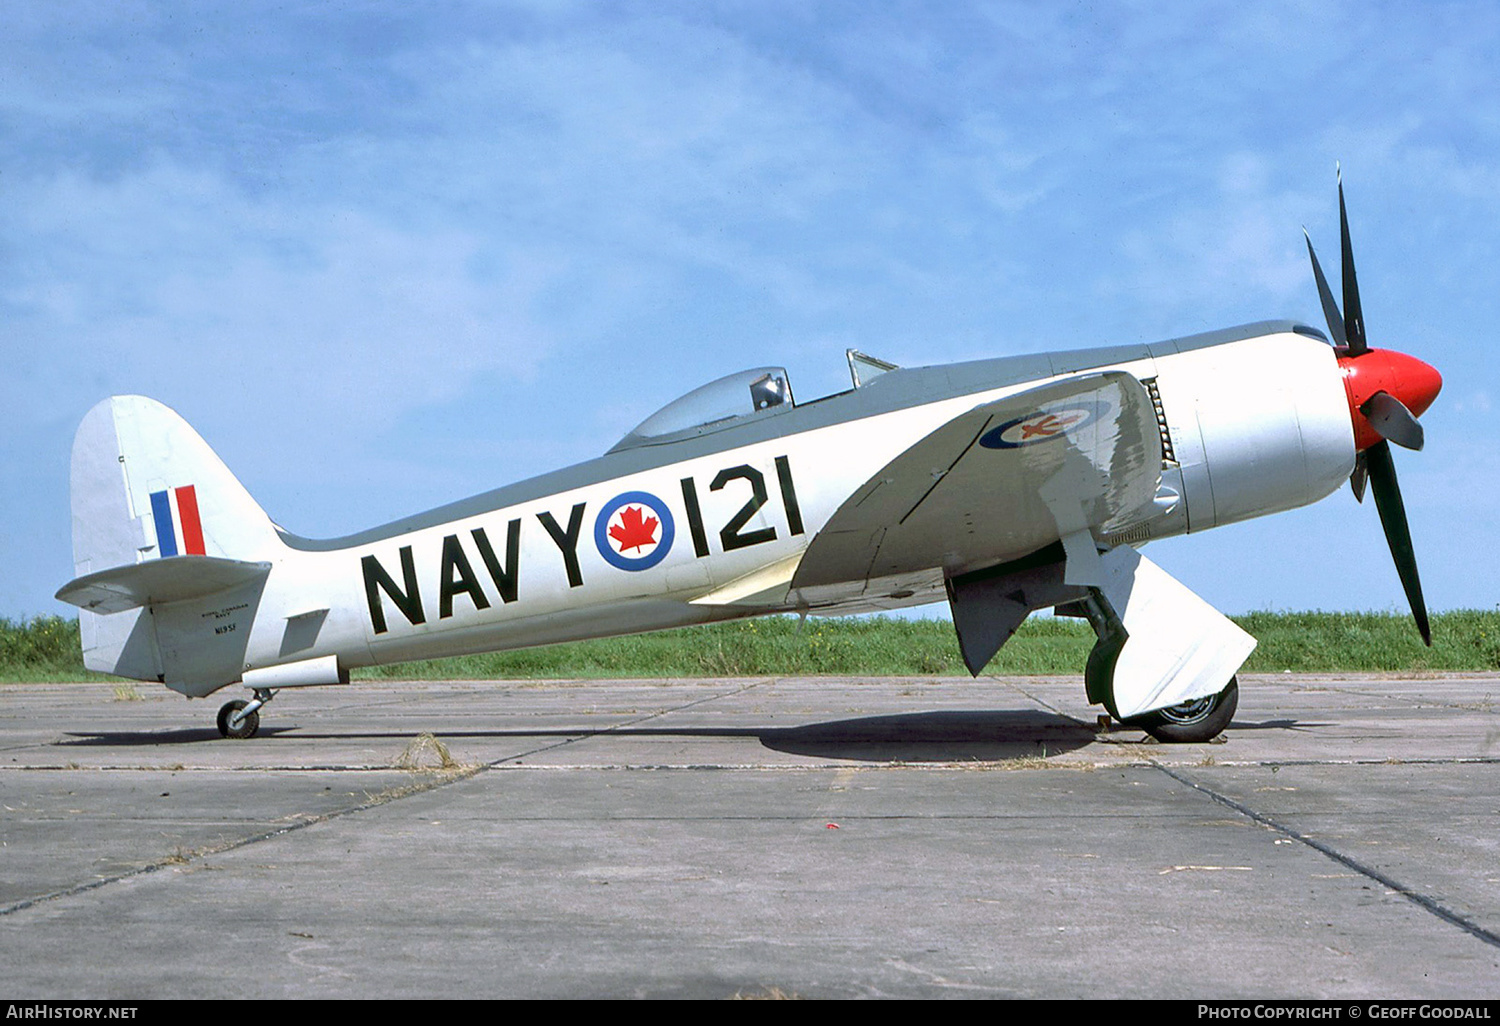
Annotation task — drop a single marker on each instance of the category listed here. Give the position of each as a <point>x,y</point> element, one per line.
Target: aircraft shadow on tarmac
<point>953,736</point>
<point>948,736</point>
<point>146,738</point>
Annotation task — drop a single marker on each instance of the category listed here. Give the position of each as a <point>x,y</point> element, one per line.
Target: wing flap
<point>764,587</point>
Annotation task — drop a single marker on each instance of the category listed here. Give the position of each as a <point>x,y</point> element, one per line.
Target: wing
<point>997,483</point>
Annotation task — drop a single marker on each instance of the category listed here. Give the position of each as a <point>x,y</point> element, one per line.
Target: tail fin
<point>157,519</point>
<point>146,486</point>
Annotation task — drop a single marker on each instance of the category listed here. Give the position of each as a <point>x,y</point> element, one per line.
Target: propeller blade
<point>1354,318</point>
<point>1392,420</point>
<point>1397,534</point>
<point>1325,294</point>
<point>1359,477</point>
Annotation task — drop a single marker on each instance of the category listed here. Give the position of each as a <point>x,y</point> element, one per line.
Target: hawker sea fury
<point>1007,485</point>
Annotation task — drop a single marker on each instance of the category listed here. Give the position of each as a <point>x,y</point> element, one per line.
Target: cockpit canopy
<point>714,406</point>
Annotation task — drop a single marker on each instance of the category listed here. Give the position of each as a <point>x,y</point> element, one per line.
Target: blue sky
<point>383,255</point>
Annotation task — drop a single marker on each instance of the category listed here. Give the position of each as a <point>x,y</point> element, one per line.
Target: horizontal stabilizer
<point>159,581</point>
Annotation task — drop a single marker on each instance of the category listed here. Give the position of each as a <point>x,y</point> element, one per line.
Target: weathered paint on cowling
<point>1259,426</point>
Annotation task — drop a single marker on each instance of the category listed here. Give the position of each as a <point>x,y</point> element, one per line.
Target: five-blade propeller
<point>1387,391</point>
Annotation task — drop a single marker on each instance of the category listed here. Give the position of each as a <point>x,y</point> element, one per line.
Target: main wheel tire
<point>248,726</point>
<point>1202,719</point>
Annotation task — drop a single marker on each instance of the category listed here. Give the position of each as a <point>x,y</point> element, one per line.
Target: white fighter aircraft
<point>1009,485</point>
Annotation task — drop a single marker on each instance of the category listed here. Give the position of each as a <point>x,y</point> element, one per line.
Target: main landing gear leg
<point>241,719</point>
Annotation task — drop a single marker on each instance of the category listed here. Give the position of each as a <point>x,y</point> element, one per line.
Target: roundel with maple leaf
<point>634,531</point>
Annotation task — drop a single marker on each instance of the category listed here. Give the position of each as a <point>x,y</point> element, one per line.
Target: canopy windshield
<point>712,406</point>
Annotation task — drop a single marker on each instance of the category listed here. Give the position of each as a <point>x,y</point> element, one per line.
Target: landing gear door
<point>1177,648</point>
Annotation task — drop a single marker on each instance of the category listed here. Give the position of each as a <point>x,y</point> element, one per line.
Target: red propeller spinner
<point>1407,379</point>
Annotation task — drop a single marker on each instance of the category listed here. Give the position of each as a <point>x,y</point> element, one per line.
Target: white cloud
<point>174,281</point>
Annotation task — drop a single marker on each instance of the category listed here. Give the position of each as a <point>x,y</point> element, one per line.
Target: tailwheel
<point>241,719</point>
<point>1202,719</point>
<point>233,722</point>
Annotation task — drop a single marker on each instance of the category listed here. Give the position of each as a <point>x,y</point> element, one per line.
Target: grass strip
<point>46,648</point>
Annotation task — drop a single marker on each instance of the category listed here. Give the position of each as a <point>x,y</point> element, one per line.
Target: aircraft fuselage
<point>536,562</point>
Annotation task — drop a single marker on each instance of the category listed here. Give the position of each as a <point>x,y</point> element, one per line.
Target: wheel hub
<point>1190,712</point>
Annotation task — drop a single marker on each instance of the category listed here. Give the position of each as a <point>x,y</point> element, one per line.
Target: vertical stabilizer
<point>146,488</point>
